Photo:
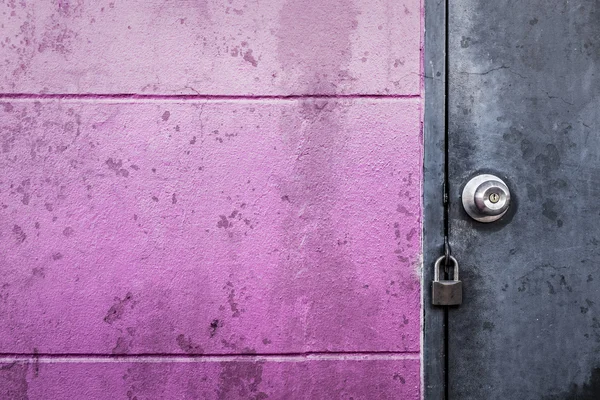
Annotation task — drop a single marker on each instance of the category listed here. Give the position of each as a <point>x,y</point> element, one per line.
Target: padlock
<point>446,292</point>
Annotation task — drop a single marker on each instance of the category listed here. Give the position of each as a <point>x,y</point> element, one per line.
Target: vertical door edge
<point>434,144</point>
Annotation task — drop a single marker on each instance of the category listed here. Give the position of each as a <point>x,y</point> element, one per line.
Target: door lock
<point>446,292</point>
<point>486,198</point>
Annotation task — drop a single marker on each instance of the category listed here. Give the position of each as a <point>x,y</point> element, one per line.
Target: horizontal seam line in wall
<point>127,96</point>
<point>173,358</point>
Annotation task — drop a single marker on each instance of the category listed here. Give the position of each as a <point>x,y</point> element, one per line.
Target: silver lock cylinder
<point>486,198</point>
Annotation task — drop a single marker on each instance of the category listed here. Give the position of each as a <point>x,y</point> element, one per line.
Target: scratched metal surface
<point>525,103</point>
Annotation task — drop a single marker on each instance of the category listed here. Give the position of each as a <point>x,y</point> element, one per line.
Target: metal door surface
<point>524,103</point>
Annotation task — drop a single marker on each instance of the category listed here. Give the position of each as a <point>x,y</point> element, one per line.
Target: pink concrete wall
<point>174,225</point>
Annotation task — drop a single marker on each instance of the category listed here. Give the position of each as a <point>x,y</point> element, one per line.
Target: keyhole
<point>494,197</point>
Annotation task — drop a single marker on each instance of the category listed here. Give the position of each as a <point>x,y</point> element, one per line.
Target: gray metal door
<point>524,103</point>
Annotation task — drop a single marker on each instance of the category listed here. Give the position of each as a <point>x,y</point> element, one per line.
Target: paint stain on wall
<point>13,381</point>
<point>241,380</point>
<point>186,344</point>
<point>116,311</point>
<point>315,42</point>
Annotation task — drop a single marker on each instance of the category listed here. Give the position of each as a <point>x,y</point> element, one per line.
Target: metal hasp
<point>446,292</point>
<point>486,198</point>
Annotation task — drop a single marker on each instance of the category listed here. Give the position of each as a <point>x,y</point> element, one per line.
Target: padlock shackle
<point>438,264</point>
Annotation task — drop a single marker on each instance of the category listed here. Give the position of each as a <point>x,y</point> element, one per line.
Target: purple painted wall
<point>174,225</point>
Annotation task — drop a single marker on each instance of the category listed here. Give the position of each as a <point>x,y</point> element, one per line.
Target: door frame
<point>434,344</point>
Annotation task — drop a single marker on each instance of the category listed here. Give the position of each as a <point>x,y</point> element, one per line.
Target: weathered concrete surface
<point>210,227</point>
<point>217,47</point>
<point>242,379</point>
<point>215,226</point>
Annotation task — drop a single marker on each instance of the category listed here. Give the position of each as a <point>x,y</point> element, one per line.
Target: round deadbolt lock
<point>486,198</point>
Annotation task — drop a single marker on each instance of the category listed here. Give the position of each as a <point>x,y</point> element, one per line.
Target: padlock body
<point>446,293</point>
